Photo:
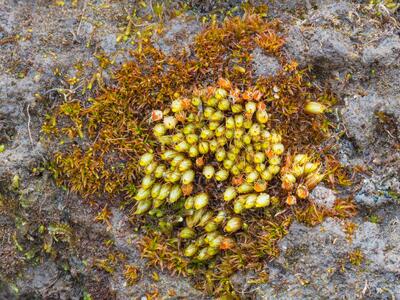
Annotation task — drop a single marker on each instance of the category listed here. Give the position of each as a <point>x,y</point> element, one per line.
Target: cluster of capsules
<point>219,136</point>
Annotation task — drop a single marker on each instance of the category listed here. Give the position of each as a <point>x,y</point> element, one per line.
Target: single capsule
<point>220,131</point>
<point>247,123</point>
<point>155,190</point>
<point>159,130</point>
<point>196,101</point>
<point>212,251</point>
<point>178,137</point>
<point>244,188</point>
<point>189,202</point>
<point>229,133</point>
<point>208,112</point>
<point>222,141</point>
<point>291,200</point>
<point>200,201</point>
<point>177,105</point>
<point>203,147</point>
<point>315,108</point>
<point>193,151</point>
<point>238,144</point>
<point>188,176</point>
<point>185,165</point>
<point>206,134</point>
<point>230,193</point>
<point>146,159</point>
<point>190,250</point>
<point>220,94</point>
<point>213,145</point>
<point>220,217</point>
<point>203,255</point>
<point>239,120</point>
<point>150,168</point>
<point>192,138</point>
<point>189,129</point>
<point>228,164</point>
<point>216,242</point>
<point>169,155</point>
<point>234,224</point>
<point>142,194</point>
<point>260,185</point>
<point>208,171</point>
<point>255,130</point>
<point>172,176</point>
<point>220,154</point>
<point>147,181</point>
<point>262,200</point>
<point>250,201</point>
<point>221,175</point>
<point>310,167</point>
<point>262,116</point>
<point>250,108</point>
<point>224,105</point>
<point>252,176</point>
<point>236,108</point>
<point>313,179</point>
<point>259,157</point>
<point>229,123</point>
<point>302,191</point>
<point>235,171</point>
<point>238,133</point>
<point>165,140</point>
<point>143,206</point>
<point>211,226</point>
<point>278,148</point>
<point>238,206</point>
<point>182,146</point>
<point>170,122</point>
<point>247,139</point>
<point>212,101</point>
<point>175,194</point>
<point>288,177</point>
<point>231,155</point>
<point>274,160</point>
<point>187,233</point>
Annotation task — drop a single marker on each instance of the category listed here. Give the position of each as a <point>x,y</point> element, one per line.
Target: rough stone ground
<point>352,50</point>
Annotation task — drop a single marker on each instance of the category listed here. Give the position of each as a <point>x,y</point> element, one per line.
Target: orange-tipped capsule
<point>302,191</point>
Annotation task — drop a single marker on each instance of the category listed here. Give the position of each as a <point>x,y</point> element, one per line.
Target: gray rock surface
<point>351,49</point>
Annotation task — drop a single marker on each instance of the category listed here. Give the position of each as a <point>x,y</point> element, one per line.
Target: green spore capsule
<point>230,193</point>
<point>200,201</point>
<point>234,224</point>
<point>187,233</point>
<point>188,176</point>
<point>142,194</point>
<point>143,206</point>
<point>208,171</point>
<point>146,159</point>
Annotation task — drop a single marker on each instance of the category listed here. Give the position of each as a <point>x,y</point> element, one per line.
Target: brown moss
<point>102,139</point>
